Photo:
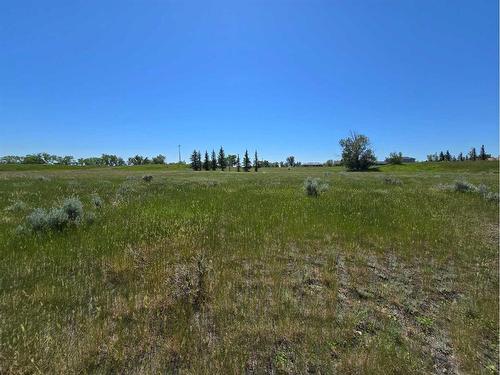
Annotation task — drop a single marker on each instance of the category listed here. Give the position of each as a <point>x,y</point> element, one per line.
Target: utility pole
<point>179,146</point>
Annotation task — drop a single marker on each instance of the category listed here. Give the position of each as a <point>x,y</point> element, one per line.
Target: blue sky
<point>283,77</point>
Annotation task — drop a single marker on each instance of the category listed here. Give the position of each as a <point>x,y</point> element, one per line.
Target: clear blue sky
<point>284,77</point>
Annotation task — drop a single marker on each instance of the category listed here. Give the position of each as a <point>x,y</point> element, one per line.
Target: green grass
<point>211,272</point>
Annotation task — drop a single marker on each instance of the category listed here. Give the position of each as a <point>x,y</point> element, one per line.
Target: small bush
<point>464,186</point>
<point>313,187</point>
<point>147,178</point>
<point>57,218</point>
<point>16,206</point>
<point>392,181</point>
<point>96,201</point>
<point>37,220</point>
<point>73,208</point>
<point>90,217</point>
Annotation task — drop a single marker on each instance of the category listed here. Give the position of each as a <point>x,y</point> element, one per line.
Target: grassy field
<point>386,272</point>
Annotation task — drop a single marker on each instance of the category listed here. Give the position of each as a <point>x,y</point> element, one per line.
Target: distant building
<point>407,159</point>
<point>312,164</point>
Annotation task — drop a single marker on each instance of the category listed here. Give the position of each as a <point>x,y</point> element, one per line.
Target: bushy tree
<point>213,161</point>
<point>221,160</point>
<point>357,154</point>
<point>206,162</point>
<point>395,158</point>
<point>290,161</point>
<point>246,162</point>
<point>159,159</point>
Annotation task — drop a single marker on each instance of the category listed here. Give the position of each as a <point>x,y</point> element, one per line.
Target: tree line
<point>104,160</point>
<point>222,161</point>
<point>471,155</point>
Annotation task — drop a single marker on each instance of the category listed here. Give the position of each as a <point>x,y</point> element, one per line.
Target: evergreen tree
<point>213,161</point>
<point>194,160</point>
<point>473,154</point>
<point>460,157</point>
<point>246,162</point>
<point>206,162</point>
<point>198,161</point>
<point>441,156</point>
<point>482,153</point>
<point>222,159</point>
<point>256,162</point>
<point>238,164</point>
<point>447,156</point>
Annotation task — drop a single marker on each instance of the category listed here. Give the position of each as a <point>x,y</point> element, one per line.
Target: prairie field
<point>393,271</point>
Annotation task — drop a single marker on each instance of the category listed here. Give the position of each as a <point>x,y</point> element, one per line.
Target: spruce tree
<point>482,153</point>
<point>246,162</point>
<point>256,162</point>
<point>473,154</point>
<point>214,161</point>
<point>441,156</point>
<point>198,164</point>
<point>460,157</point>
<point>448,156</point>
<point>206,162</point>
<point>238,164</point>
<point>194,160</point>
<point>222,159</point>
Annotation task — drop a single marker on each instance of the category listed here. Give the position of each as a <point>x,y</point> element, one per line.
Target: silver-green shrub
<point>389,180</point>
<point>96,200</point>
<point>73,208</point>
<point>464,186</point>
<point>57,218</point>
<point>313,187</point>
<point>37,220</point>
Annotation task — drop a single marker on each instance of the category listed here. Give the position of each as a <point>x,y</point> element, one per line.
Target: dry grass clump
<point>16,206</point>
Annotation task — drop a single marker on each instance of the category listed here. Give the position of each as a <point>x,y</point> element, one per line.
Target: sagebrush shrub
<point>90,217</point>
<point>57,218</point>
<point>313,187</point>
<point>464,186</point>
<point>96,200</point>
<point>392,181</point>
<point>37,220</point>
<point>147,178</point>
<point>73,208</point>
